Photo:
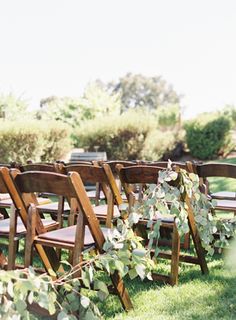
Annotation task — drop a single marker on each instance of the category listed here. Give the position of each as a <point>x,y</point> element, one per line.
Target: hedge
<point>209,139</point>
<point>122,137</point>
<point>35,140</point>
<point>163,145</point>
<point>130,136</point>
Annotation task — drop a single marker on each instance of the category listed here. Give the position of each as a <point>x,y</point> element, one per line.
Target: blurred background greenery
<point>137,117</point>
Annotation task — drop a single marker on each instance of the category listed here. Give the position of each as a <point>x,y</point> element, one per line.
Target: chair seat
<point>67,235</point>
<point>224,195</point>
<point>101,211</point>
<point>7,202</point>
<point>92,195</point>
<point>52,207</point>
<point>226,205</point>
<point>4,196</point>
<point>5,225</point>
<point>165,218</point>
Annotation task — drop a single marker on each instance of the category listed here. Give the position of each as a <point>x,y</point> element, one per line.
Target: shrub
<point>38,141</point>
<point>168,116</point>
<point>122,137</point>
<point>210,138</point>
<point>229,111</point>
<point>161,145</point>
<point>57,141</point>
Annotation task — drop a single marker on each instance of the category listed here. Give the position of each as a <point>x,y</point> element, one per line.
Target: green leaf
<point>63,316</point>
<point>132,273</point>
<point>119,265</point>
<point>100,285</point>
<point>10,289</point>
<point>31,297</point>
<point>139,252</point>
<point>20,306</point>
<point>140,269</point>
<point>84,302</point>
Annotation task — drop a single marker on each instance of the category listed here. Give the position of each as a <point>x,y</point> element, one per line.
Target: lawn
<point>196,297</point>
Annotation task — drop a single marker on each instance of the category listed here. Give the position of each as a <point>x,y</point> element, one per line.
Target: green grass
<point>196,297</point>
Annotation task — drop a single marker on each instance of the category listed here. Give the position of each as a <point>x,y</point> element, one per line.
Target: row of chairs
<point>65,182</point>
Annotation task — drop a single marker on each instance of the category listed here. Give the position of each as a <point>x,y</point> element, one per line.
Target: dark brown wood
<point>175,256</point>
<point>101,176</point>
<point>13,239</point>
<point>31,227</point>
<point>196,238</point>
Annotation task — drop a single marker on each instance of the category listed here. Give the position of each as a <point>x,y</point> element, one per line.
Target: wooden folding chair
<point>225,200</point>
<point>148,175</point>
<point>13,228</point>
<point>103,176</point>
<point>22,186</point>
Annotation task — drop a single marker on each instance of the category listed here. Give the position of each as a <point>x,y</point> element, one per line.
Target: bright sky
<point>55,47</point>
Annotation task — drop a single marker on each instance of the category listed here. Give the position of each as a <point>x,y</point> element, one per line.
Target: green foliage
<point>175,193</point>
<point>38,141</point>
<point>96,102</point>
<point>12,107</point>
<point>209,139</point>
<point>138,91</point>
<point>63,297</point>
<point>229,111</point>
<point>163,145</point>
<point>99,101</point>
<point>122,137</point>
<point>168,116</point>
<point>64,109</point>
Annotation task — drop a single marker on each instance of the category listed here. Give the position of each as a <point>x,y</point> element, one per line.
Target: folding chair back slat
<point>49,182</point>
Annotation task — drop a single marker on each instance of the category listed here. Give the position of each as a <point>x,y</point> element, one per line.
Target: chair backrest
<point>134,175</point>
<point>97,174</point>
<point>125,163</point>
<point>163,164</point>
<point>49,167</point>
<point>213,169</point>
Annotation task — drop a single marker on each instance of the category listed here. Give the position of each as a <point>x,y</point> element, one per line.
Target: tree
<point>100,101</point>
<point>96,101</point>
<point>63,109</point>
<point>12,107</point>
<point>138,91</point>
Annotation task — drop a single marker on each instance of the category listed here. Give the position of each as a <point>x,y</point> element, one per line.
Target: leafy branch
<point>63,298</point>
<point>167,199</point>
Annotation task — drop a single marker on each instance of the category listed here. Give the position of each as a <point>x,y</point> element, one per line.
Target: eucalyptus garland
<point>167,198</point>
<point>63,297</point>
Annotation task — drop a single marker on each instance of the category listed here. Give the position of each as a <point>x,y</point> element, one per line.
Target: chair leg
<point>79,244</point>
<point>197,240</point>
<point>175,257</point>
<point>12,246</point>
<point>12,249</point>
<point>186,243</point>
<point>29,240</point>
<point>121,291</point>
